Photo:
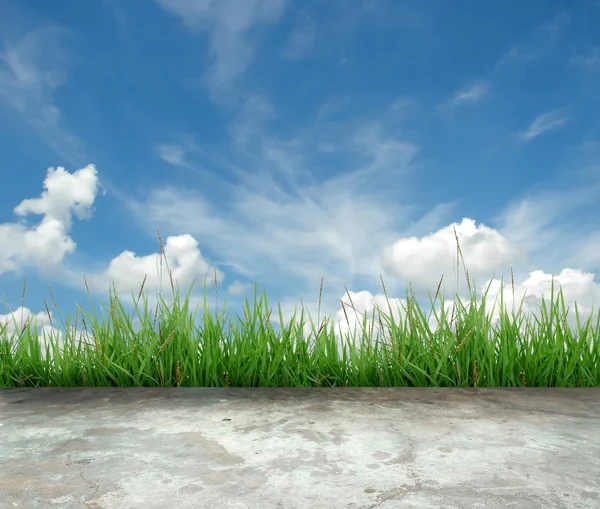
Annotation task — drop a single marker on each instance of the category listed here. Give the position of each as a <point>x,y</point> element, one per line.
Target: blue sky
<point>281,141</point>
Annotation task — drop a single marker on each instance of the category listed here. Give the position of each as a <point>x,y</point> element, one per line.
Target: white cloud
<point>424,261</point>
<point>475,93</point>
<point>537,222</point>
<point>542,42</point>
<point>127,271</point>
<point>544,123</point>
<point>32,69</point>
<point>547,226</point>
<point>172,154</point>
<point>306,236</point>
<point>22,317</point>
<point>46,245</point>
<point>248,128</point>
<point>554,29</point>
<point>237,288</point>
<point>302,39</point>
<point>365,309</point>
<point>384,151</point>
<point>348,325</point>
<point>588,252</point>
<point>229,23</point>
<point>333,106</point>
<point>590,62</point>
<point>178,155</point>
<point>49,336</point>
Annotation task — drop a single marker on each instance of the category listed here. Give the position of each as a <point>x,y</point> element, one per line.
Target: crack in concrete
<point>79,466</point>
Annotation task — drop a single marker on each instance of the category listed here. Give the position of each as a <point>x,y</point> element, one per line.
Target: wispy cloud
<point>555,29</point>
<point>301,41</point>
<point>228,23</point>
<point>475,93</point>
<point>545,225</point>
<point>544,123</point>
<point>286,218</point>
<point>237,288</point>
<point>172,154</point>
<point>334,106</point>
<point>590,62</point>
<point>32,69</point>
<point>385,151</point>
<point>543,41</point>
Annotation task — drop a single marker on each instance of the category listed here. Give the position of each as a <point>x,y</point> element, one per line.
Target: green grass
<point>170,350</point>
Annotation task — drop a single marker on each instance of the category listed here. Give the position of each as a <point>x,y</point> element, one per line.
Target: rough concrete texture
<point>299,448</point>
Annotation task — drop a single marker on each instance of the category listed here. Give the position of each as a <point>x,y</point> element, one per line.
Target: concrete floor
<point>299,448</point>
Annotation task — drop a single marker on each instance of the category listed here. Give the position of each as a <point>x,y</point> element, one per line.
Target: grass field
<point>168,349</point>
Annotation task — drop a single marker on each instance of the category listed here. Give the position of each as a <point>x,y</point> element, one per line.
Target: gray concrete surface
<point>299,448</point>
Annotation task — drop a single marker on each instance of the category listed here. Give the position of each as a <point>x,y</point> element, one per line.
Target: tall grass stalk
<point>168,349</point>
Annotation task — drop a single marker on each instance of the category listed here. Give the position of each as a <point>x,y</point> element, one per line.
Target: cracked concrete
<point>355,448</point>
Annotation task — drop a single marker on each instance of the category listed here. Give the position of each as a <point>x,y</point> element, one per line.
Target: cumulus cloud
<point>424,261</point>
<point>51,338</point>
<point>46,245</point>
<point>366,311</point>
<point>301,41</point>
<point>125,274</point>
<point>544,123</point>
<point>346,316</point>
<point>229,23</point>
<point>185,261</point>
